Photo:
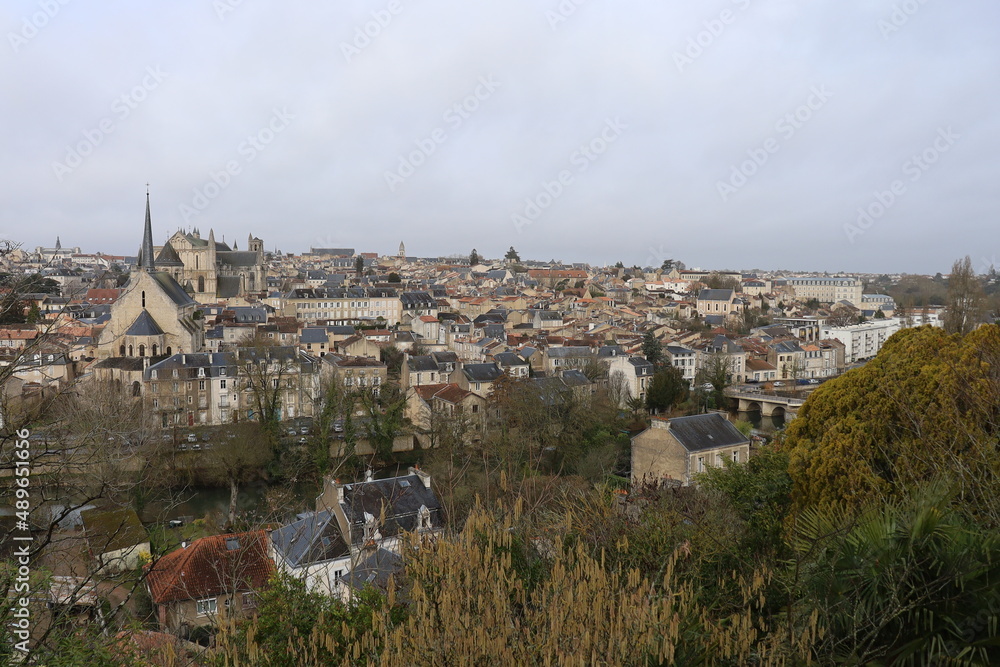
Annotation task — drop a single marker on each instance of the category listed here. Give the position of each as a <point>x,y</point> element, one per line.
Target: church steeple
<point>58,244</point>
<point>146,259</point>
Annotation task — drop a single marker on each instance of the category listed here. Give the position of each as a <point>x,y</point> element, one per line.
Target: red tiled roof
<point>208,567</point>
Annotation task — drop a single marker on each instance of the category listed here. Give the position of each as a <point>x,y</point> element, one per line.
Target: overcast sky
<point>726,134</point>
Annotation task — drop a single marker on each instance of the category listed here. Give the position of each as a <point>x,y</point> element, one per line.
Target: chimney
<point>424,477</point>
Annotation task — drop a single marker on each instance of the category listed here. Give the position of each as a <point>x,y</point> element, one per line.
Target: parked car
<point>338,426</point>
<point>813,381</point>
<point>304,430</point>
<point>779,384</point>
<point>192,437</point>
<point>196,446</point>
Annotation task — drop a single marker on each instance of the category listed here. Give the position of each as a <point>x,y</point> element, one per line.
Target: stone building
<point>152,319</point>
<point>211,270</point>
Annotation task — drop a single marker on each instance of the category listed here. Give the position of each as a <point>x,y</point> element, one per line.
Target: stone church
<point>152,319</point>
<point>210,270</point>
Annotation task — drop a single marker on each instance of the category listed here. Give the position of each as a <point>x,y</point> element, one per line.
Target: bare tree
<point>239,458</point>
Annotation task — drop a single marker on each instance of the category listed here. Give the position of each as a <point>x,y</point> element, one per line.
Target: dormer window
<point>423,518</point>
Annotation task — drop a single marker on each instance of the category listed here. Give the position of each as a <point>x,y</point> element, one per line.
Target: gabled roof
<point>211,566</point>
<point>144,325</point>
<point>701,432</point>
<point>482,372</point>
<point>313,335</point>
<point>312,539</point>
<point>168,256</point>
<point>715,295</point>
<point>172,288</point>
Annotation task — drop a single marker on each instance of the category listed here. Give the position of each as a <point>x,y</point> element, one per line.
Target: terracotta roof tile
<point>210,566</point>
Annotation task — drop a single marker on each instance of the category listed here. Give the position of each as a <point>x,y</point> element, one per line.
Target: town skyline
<point>839,137</point>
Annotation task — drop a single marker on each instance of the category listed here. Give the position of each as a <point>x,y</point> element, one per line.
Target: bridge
<point>769,405</point>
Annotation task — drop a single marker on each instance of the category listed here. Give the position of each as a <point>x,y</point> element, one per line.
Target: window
<point>701,464</point>
<point>201,385</point>
<point>207,606</point>
<point>156,402</point>
<point>152,375</point>
<point>222,384</point>
<point>144,298</point>
<point>175,386</point>
<point>222,371</point>
<point>736,456</point>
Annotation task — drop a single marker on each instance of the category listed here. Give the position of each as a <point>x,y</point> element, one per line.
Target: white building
<point>683,359</point>
<point>828,290</point>
<point>863,341</point>
<point>636,372</point>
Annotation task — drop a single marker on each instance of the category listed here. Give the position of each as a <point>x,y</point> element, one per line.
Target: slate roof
<point>509,359</point>
<point>715,295</point>
<point>312,539</point>
<point>572,352</point>
<point>144,325</point>
<point>701,432</point>
<point>401,497</point>
<point>421,363</point>
<point>495,331</point>
<point>168,256</point>
<point>172,288</point>
<point>211,566</point>
<point>313,335</point>
<point>574,377</point>
<point>228,286</point>
<point>482,372</point>
<point>374,570</point>
<point>237,258</point>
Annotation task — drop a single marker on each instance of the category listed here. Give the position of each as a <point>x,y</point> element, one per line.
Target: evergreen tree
<point>651,348</point>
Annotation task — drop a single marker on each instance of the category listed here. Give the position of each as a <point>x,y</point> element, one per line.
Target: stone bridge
<point>769,405</point>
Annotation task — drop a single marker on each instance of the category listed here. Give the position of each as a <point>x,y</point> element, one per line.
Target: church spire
<point>58,244</point>
<point>146,261</point>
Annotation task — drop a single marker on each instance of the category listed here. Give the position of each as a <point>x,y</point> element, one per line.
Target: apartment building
<point>221,387</point>
<point>828,290</point>
<point>342,306</point>
<point>863,341</point>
